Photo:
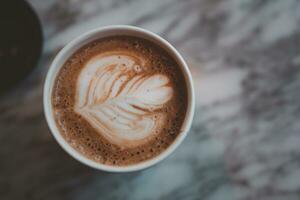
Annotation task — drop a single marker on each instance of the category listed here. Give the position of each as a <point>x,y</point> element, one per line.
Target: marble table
<point>245,140</point>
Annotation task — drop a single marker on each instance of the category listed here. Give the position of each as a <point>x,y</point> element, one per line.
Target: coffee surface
<point>120,100</point>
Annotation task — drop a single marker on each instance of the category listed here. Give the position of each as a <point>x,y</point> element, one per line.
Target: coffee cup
<point>116,30</point>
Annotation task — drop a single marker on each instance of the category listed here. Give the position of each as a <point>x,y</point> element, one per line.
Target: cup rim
<point>79,41</point>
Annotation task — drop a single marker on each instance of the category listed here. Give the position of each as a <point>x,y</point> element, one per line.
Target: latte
<point>120,100</point>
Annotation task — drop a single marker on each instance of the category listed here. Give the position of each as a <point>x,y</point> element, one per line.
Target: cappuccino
<point>120,100</point>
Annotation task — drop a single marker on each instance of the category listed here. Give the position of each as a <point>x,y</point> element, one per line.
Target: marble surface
<point>245,140</point>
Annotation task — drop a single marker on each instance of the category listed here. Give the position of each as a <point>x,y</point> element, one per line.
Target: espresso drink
<point>120,100</point>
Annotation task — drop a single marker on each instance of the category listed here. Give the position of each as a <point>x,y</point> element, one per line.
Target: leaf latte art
<point>120,100</point>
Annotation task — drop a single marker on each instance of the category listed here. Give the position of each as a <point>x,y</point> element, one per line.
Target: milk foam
<point>120,100</point>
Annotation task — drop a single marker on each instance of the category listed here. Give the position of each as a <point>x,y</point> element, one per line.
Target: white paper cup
<point>103,32</point>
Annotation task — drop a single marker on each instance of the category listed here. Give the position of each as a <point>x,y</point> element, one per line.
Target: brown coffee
<point>120,100</point>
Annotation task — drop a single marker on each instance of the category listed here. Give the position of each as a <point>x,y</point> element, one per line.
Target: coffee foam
<point>145,65</point>
<point>120,100</point>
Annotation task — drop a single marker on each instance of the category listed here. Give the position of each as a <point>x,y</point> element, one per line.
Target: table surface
<point>245,139</point>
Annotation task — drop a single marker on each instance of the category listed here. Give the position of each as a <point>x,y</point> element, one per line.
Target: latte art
<point>120,100</point>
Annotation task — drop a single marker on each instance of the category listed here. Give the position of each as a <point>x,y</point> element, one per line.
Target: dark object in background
<point>20,42</point>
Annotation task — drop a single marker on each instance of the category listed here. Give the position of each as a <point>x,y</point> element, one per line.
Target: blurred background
<point>245,140</point>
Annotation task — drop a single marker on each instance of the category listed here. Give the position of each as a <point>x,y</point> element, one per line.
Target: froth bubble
<point>137,68</point>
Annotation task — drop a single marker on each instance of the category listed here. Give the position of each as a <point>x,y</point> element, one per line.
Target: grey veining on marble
<point>245,140</point>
